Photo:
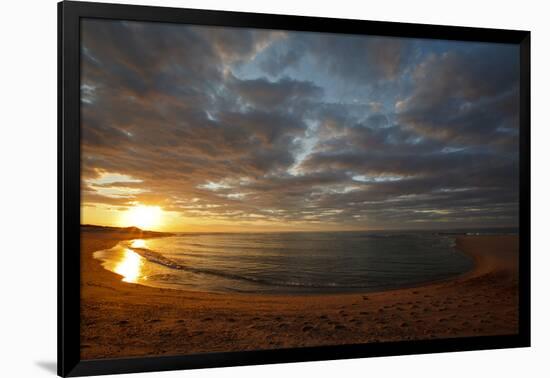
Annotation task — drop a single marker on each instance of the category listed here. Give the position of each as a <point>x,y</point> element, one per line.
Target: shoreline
<point>471,271</point>
<point>120,319</point>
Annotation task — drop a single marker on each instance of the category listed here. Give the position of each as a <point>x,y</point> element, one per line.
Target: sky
<point>194,128</point>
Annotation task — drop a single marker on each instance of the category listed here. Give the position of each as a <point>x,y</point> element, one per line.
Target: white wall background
<point>28,187</point>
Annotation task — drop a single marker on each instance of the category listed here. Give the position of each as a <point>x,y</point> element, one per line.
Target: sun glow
<point>138,243</point>
<point>144,217</point>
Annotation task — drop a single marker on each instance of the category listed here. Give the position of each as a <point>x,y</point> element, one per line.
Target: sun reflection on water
<point>129,266</point>
<point>138,243</point>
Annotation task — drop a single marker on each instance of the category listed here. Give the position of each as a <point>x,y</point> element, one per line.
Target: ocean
<point>288,263</point>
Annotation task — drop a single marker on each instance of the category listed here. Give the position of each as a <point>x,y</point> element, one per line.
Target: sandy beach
<point>120,319</point>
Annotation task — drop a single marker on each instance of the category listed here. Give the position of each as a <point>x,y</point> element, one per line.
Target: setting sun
<point>246,189</point>
<point>142,216</point>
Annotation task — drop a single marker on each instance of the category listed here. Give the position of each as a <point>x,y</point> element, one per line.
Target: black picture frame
<point>69,16</point>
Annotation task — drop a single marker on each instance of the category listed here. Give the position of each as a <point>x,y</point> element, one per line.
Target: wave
<point>158,258</point>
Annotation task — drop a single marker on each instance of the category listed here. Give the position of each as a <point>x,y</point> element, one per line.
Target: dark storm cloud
<point>244,125</point>
<point>347,56</point>
<point>267,94</point>
<point>466,97</point>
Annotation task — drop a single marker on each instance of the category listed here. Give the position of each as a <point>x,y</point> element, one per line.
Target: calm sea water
<point>283,263</point>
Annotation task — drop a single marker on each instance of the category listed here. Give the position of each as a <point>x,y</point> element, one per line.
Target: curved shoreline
<point>122,320</point>
<point>158,258</point>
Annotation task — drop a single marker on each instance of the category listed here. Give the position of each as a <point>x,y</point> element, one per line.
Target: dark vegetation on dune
<point>127,230</point>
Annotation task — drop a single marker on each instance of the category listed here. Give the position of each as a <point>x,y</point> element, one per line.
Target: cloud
<point>469,97</point>
<point>307,129</point>
<point>268,94</point>
<point>350,57</point>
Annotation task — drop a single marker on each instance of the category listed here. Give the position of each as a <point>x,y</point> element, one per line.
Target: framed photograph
<point>240,188</point>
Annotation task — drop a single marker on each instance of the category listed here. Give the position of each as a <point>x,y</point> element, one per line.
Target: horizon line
<point>309,231</point>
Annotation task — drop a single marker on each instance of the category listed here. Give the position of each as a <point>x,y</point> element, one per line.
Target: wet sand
<point>120,319</point>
